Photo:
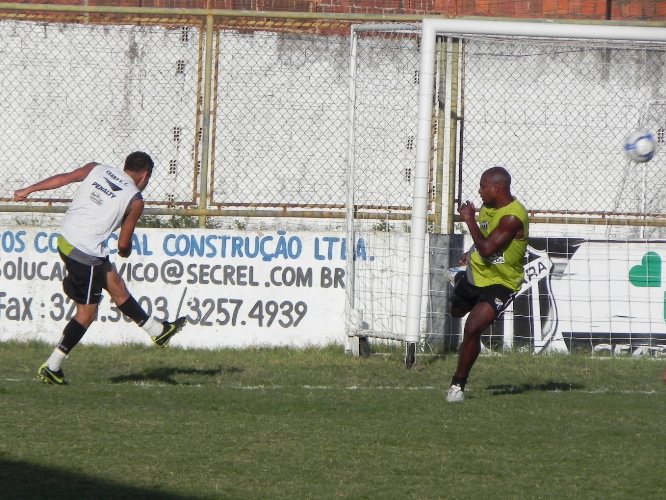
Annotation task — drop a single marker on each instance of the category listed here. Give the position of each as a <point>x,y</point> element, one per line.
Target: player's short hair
<point>498,175</point>
<point>138,162</point>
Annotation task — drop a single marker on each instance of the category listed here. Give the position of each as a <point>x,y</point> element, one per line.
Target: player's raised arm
<point>55,181</point>
<point>509,228</point>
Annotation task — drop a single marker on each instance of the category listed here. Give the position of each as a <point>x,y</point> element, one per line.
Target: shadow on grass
<point>498,390</point>
<point>434,358</point>
<point>167,375</point>
<point>25,480</point>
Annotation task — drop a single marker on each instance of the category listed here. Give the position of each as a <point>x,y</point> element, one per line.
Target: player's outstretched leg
<point>169,330</point>
<point>48,376</point>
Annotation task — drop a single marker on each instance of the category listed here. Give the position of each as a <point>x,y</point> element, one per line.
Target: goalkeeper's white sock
<point>55,359</point>
<point>152,327</point>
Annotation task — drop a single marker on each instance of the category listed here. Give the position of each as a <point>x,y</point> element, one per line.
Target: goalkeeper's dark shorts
<point>465,295</point>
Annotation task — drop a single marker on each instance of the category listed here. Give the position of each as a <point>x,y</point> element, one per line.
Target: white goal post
<point>431,29</point>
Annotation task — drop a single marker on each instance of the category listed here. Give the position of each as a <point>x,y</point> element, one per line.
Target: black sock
<point>133,310</point>
<point>459,381</point>
<point>71,335</point>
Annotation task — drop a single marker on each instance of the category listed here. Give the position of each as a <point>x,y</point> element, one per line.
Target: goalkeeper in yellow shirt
<point>494,267</point>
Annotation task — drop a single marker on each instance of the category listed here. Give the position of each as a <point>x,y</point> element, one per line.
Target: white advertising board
<point>591,294</point>
<point>614,289</point>
<point>236,288</point>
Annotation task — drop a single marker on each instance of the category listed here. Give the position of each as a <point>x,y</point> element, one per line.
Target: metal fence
<point>75,93</point>
<point>243,117</point>
<point>556,115</point>
<point>268,116</point>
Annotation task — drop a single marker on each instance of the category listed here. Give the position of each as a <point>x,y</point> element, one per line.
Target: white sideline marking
<point>331,388</point>
<point>377,388</point>
<point>606,391</point>
<point>411,388</point>
<point>148,385</point>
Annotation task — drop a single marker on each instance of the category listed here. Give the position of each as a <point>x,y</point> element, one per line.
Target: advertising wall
<point>236,288</point>
<point>283,288</point>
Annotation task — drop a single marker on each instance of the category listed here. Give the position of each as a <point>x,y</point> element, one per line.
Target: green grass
<point>137,422</point>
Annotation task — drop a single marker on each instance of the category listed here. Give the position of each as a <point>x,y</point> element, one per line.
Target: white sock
<point>152,327</point>
<point>55,359</point>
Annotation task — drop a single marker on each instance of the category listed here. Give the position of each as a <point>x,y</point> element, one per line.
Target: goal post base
<point>410,354</point>
<point>359,347</point>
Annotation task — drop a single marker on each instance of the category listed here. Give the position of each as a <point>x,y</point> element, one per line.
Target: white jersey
<point>97,209</point>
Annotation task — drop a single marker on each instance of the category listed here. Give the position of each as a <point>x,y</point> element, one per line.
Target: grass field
<point>137,422</point>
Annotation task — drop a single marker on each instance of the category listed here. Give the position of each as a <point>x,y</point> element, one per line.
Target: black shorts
<point>84,282</point>
<point>466,295</point>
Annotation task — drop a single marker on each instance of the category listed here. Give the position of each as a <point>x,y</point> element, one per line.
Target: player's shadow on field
<point>174,376</point>
<point>20,480</point>
<point>502,389</point>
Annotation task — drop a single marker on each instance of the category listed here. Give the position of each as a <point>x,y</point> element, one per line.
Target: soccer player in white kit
<point>107,198</point>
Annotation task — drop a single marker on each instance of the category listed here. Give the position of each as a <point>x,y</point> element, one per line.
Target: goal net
<point>552,103</point>
<point>383,98</point>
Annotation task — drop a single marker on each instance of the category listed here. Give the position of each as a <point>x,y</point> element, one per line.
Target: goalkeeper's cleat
<point>170,329</point>
<point>48,376</point>
<point>455,394</point>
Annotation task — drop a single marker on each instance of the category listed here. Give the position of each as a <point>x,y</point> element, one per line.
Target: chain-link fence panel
<point>281,120</point>
<point>284,119</point>
<point>386,94</point>
<point>281,108</point>
<point>556,115</point>
<point>75,93</point>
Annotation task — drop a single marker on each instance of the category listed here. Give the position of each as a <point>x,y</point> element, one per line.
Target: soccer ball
<point>640,146</point>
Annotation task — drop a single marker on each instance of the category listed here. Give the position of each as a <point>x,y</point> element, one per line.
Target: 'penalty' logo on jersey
<point>114,187</point>
<point>104,190</point>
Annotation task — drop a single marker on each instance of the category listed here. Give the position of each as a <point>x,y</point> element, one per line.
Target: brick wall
<point>556,9</point>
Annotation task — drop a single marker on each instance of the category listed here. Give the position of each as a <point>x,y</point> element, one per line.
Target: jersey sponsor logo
<point>104,190</point>
<point>114,187</point>
<point>496,258</point>
<point>116,178</point>
<point>96,198</point>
